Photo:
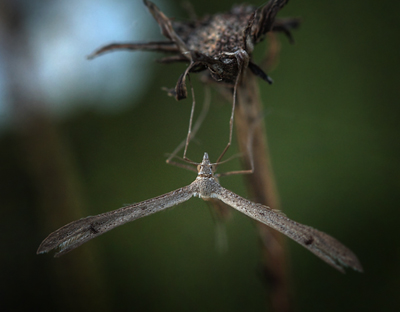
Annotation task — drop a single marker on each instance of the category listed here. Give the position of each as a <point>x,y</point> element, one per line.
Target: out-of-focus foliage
<point>332,122</point>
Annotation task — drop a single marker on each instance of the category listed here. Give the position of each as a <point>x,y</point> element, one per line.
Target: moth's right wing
<point>321,244</point>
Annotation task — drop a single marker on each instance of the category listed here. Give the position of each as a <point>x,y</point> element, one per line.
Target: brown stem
<point>261,185</point>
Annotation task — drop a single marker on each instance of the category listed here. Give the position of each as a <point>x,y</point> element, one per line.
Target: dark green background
<point>332,121</point>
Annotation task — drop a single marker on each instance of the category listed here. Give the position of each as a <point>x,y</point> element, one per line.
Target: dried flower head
<point>221,43</point>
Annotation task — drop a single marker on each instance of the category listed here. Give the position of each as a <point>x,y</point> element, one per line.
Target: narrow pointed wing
<point>78,232</point>
<point>321,244</point>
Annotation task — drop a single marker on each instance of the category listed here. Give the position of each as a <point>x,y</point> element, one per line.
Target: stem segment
<point>261,185</point>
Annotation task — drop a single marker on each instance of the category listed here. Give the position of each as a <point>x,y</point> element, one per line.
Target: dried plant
<point>221,44</point>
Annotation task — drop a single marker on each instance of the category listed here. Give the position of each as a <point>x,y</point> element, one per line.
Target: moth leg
<point>242,59</point>
<point>193,132</point>
<point>249,148</point>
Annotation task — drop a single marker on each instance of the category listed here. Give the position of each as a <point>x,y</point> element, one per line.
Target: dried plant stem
<point>261,186</point>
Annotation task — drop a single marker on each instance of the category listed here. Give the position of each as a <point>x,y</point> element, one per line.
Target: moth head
<point>205,168</point>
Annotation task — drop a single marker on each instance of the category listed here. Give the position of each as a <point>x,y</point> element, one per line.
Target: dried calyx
<point>222,43</point>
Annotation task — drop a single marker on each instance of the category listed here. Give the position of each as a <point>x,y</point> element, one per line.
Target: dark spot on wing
<point>93,230</point>
<point>309,241</point>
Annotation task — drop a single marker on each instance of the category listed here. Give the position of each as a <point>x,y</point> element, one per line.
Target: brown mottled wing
<point>321,244</point>
<point>78,232</point>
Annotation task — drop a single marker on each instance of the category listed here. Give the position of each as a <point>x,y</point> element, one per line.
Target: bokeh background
<point>81,137</point>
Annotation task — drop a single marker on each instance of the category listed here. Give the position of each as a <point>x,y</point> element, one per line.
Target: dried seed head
<point>221,43</point>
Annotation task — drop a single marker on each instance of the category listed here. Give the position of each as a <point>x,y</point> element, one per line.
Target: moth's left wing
<point>78,232</point>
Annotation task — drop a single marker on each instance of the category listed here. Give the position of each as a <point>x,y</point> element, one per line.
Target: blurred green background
<point>332,121</point>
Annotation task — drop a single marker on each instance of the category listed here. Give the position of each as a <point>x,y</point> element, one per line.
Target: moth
<point>207,187</point>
